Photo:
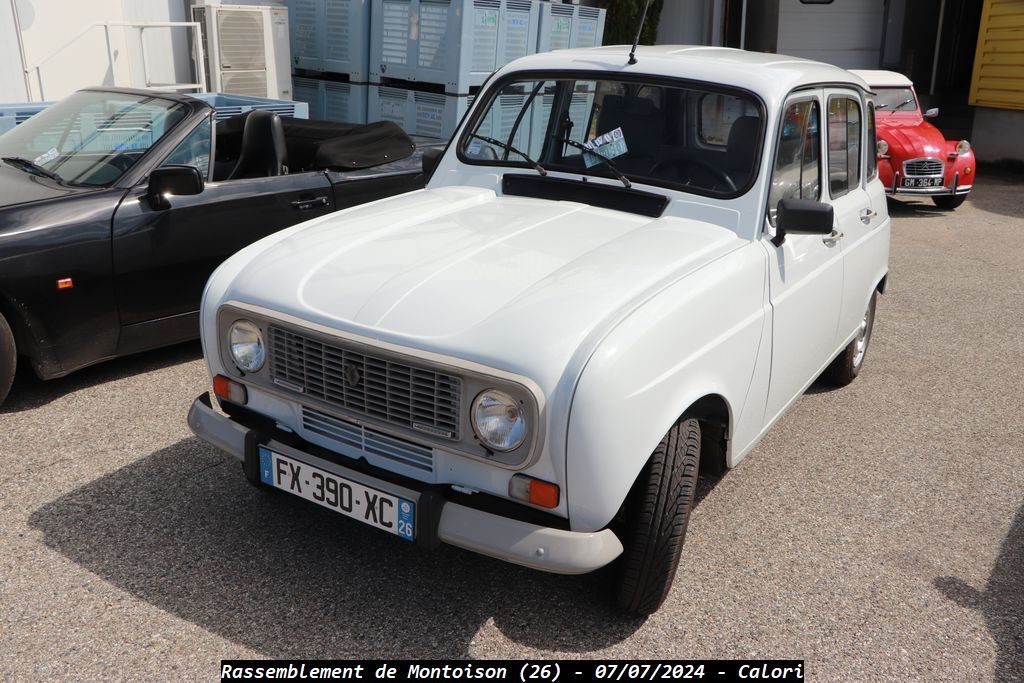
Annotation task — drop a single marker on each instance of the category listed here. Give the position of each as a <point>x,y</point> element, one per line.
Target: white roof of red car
<point>883,79</point>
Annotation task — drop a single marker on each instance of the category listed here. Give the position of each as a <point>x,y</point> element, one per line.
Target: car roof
<point>883,79</point>
<point>771,76</point>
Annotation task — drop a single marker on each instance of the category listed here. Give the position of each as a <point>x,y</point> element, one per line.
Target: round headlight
<point>881,147</point>
<point>963,147</point>
<point>498,420</point>
<point>246,345</point>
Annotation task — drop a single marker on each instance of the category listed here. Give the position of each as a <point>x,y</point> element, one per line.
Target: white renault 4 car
<point>619,276</point>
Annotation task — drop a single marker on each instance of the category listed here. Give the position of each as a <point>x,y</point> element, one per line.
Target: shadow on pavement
<point>916,207</point>
<point>183,530</point>
<point>30,392</point>
<point>1001,602</point>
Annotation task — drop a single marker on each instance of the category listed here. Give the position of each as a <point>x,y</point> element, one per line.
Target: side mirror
<point>931,113</point>
<point>802,217</point>
<point>431,157</point>
<point>177,180</point>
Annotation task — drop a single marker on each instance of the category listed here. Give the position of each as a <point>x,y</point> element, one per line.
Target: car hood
<point>911,137</point>
<point>19,187</point>
<point>464,272</point>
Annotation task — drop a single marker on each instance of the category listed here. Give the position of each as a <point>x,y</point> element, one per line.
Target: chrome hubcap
<point>863,334</point>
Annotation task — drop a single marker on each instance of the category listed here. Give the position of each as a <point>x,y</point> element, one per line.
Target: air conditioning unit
<point>246,48</point>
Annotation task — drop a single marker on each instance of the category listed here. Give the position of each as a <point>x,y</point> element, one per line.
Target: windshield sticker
<point>612,144</point>
<point>46,156</point>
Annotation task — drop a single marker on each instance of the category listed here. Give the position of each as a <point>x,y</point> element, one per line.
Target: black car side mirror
<point>176,180</point>
<point>802,217</point>
<point>431,157</point>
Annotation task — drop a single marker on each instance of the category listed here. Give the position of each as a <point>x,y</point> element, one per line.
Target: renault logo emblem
<point>352,376</point>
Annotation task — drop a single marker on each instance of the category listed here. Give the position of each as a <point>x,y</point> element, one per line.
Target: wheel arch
<point>26,328</point>
<point>882,284</point>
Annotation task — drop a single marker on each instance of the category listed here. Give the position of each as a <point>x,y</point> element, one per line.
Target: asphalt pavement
<point>877,532</point>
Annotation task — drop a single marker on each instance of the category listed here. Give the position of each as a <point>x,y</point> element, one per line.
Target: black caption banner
<point>532,671</point>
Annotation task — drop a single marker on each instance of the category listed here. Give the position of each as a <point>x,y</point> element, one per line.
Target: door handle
<point>831,239</point>
<point>310,203</point>
<point>866,215</point>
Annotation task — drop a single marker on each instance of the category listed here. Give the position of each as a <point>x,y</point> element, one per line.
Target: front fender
<point>700,336</point>
<point>961,167</point>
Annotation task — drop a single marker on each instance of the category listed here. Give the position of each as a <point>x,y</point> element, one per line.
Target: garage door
<point>847,33</point>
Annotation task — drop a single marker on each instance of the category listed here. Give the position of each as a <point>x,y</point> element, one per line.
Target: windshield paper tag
<point>46,156</point>
<point>612,144</point>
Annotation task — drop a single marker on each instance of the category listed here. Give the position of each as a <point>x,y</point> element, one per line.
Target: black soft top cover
<point>328,144</point>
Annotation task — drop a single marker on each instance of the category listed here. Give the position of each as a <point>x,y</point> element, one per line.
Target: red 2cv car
<point>914,158</point>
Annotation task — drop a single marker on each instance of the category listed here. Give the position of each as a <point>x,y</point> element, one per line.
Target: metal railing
<point>197,52</point>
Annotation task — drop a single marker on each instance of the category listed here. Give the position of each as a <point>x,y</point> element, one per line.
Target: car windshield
<point>90,137</point>
<point>691,137</point>
<point>895,99</point>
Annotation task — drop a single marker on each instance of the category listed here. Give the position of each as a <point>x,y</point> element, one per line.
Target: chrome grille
<point>923,167</point>
<point>363,439</point>
<point>413,397</point>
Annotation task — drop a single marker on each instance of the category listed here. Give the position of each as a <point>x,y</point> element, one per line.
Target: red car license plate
<point>922,182</point>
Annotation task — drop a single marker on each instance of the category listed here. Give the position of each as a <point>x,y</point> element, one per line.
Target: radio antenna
<point>639,30</point>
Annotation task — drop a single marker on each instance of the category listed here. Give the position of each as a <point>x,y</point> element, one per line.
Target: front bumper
<point>955,188</point>
<point>531,545</point>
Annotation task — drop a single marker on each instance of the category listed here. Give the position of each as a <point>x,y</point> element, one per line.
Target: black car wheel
<point>8,359</point>
<point>658,511</point>
<point>948,203</point>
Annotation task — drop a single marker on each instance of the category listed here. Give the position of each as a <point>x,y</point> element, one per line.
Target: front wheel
<point>949,202</point>
<point>658,511</point>
<point>845,368</point>
<point>8,359</point>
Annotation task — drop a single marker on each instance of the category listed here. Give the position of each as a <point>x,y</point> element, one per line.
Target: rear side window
<point>872,155</point>
<point>718,113</point>
<point>844,133</point>
<point>797,173</point>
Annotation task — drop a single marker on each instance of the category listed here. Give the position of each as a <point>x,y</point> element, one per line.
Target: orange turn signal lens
<point>533,491</point>
<point>65,283</point>
<point>229,390</point>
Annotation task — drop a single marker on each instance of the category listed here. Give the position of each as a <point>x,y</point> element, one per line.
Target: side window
<point>872,155</point>
<point>194,150</point>
<point>844,133</point>
<point>797,173</point>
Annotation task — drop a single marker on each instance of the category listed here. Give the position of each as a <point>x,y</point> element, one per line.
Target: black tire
<point>8,359</point>
<point>845,368</point>
<point>949,202</point>
<point>657,513</point>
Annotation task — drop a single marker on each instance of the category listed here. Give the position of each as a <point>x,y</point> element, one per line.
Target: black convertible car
<point>116,205</point>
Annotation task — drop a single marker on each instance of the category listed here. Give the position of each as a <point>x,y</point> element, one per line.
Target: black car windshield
<point>90,137</point>
<point>895,99</point>
<point>688,136</point>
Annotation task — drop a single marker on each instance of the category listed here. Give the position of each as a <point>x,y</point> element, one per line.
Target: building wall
<point>12,81</point>
<point>684,22</point>
<point>847,33</point>
<point>47,25</point>
<point>996,137</point>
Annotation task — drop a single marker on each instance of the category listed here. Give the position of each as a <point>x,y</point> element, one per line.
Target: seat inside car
<point>642,127</point>
<point>263,151</point>
<point>740,149</point>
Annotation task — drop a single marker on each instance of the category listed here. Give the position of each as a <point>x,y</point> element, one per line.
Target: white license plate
<point>922,182</point>
<point>368,505</point>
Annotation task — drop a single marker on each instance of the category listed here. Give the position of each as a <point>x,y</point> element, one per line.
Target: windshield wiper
<point>491,141</point>
<point>886,106</point>
<point>607,162</point>
<point>31,167</point>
